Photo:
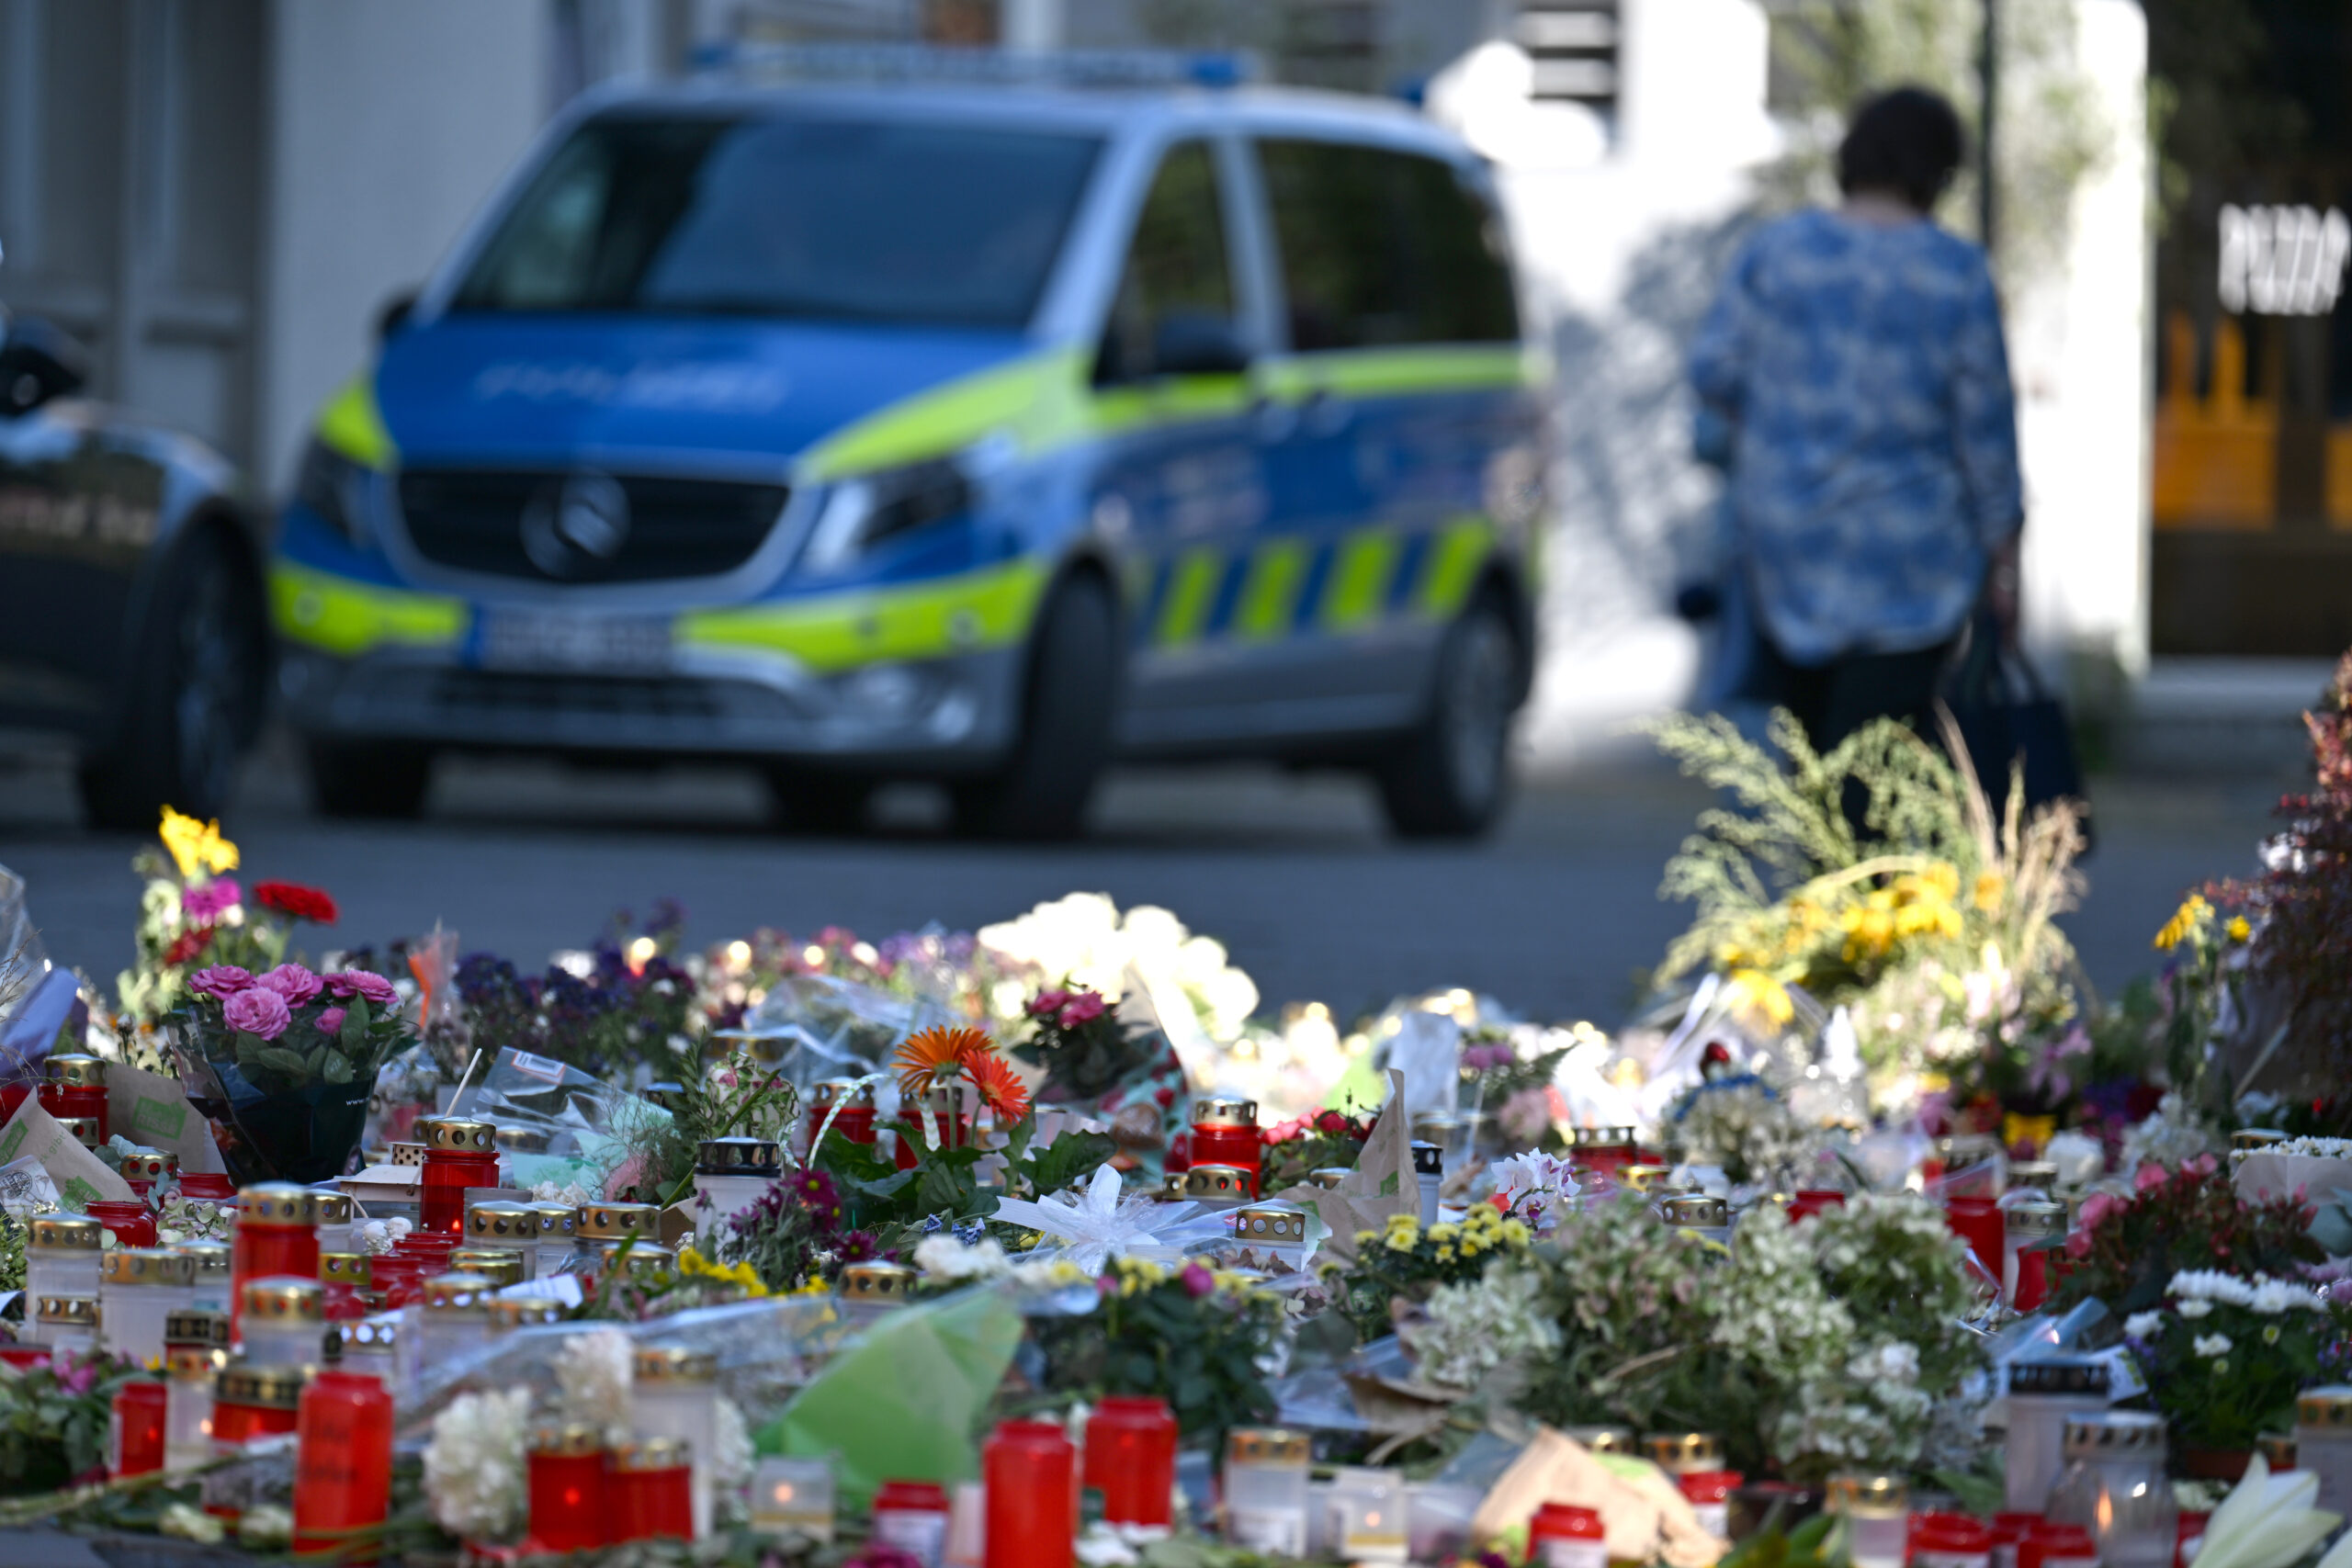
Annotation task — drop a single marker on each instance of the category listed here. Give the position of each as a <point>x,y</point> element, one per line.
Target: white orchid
<point>1540,1186</point>
<point>1098,1222</point>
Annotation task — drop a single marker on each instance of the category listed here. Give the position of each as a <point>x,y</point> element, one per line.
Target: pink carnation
<point>2148,1177</point>
<point>329,1020</point>
<point>258,1011</point>
<point>293,982</point>
<point>221,982</point>
<point>1083,1007</point>
<point>377,990</point>
<point>210,900</point>
<point>1044,1004</point>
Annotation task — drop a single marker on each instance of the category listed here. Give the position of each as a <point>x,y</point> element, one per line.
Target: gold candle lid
<point>76,1312</point>
<point>458,1294</point>
<point>1645,1177</point>
<point>554,1219</point>
<point>677,1363</point>
<point>1266,1445</point>
<point>84,1129</point>
<point>1171,1185</point>
<point>1217,1183</point>
<point>2257,1137</point>
<point>1603,1440</point>
<point>2278,1449</point>
<point>1696,1209</point>
<point>1857,1492</point>
<point>1604,1138</point>
<point>523,1312</point>
<point>66,1233</point>
<point>149,1165</point>
<point>848,1093</point>
<point>77,1070</point>
<point>284,1299</point>
<point>1283,1227</point>
<point>572,1439</point>
<point>271,1388</point>
<point>738,1157</point>
<point>2328,1407</point>
<point>1684,1452</point>
<point>1225,1110</point>
<point>346,1267</point>
<point>187,1362</point>
<point>652,1453</point>
<point>612,1222</point>
<point>213,1258</point>
<point>643,1260</point>
<point>501,1264</point>
<point>1328,1177</point>
<point>204,1328</point>
<point>524,1140</point>
<point>501,1219</point>
<point>2036,1220</point>
<point>334,1208</point>
<point>456,1134</point>
<point>279,1204</point>
<point>877,1282</point>
<point>147,1265</point>
<point>372,1336</point>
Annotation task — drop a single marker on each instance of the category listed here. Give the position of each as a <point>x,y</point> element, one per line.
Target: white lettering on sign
<point>2283,261</point>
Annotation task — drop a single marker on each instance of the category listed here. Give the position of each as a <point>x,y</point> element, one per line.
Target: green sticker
<point>77,1193</point>
<point>11,1142</point>
<point>161,1118</point>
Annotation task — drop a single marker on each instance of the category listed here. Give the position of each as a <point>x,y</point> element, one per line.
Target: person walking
<point>1856,355</point>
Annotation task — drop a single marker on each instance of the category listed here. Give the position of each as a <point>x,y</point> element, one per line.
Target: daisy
<point>1000,1088</point>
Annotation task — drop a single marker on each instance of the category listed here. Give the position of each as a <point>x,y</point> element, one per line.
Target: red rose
<point>1332,1122</point>
<point>1044,1004</point>
<point>186,946</point>
<point>310,904</point>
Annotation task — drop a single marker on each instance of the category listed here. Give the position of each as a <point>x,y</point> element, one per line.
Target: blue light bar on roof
<point>974,67</point>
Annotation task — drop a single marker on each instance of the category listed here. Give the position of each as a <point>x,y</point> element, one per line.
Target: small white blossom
<point>2196,1306</point>
<point>473,1465</point>
<point>594,1371</point>
<point>1476,1325</point>
<point>731,1458</point>
<point>2144,1325</point>
<point>943,1258</point>
<point>2212,1345</point>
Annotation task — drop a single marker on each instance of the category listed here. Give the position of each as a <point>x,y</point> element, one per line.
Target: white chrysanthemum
<point>730,1457</point>
<point>943,1257</point>
<point>594,1371</point>
<point>2144,1325</point>
<point>2196,1306</point>
<point>1476,1327</point>
<point>2211,1284</point>
<point>474,1464</point>
<point>2212,1345</point>
<point>2272,1297</point>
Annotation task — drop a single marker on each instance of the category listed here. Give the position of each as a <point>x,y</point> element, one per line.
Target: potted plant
<point>2224,1358</point>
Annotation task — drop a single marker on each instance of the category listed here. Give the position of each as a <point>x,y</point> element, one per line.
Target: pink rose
<point>221,982</point>
<point>1083,1007</point>
<point>329,1020</point>
<point>293,982</point>
<point>2148,1177</point>
<point>1198,1281</point>
<point>2079,1245</point>
<point>2202,1167</point>
<point>377,990</point>
<point>258,1011</point>
<point>208,902</point>
<point>1044,1004</point>
<point>2095,1208</point>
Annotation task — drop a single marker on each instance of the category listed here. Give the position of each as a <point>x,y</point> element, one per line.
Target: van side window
<point>1382,248</point>
<point>1178,273</point>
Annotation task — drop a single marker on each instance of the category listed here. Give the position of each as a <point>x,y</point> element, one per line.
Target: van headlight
<point>859,513</point>
<point>337,488</point>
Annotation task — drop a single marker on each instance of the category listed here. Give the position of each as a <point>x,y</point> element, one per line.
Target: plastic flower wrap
<point>1101,1222</point>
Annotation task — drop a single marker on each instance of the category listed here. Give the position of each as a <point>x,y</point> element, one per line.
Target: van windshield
<point>845,219</point>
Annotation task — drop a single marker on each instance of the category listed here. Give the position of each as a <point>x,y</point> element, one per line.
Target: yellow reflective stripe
<point>1171,402</point>
<point>353,425</point>
<point>346,617</point>
<point>1359,580</point>
<point>1458,552</point>
<point>1191,594</point>
<point>1033,400</point>
<point>1376,372</point>
<point>990,608</point>
<point>1270,596</point>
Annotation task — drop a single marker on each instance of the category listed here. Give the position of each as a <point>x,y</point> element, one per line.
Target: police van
<point>977,432</point>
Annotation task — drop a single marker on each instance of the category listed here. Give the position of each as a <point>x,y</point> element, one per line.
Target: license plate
<point>537,639</point>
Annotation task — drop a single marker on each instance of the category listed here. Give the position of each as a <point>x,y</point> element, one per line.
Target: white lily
<point>1097,1223</point>
<point>2268,1521</point>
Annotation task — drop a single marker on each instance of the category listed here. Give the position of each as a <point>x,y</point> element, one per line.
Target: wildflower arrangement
<point>194,914</point>
<point>1741,1123</point>
<point>795,1231</point>
<point>2225,1356</point>
<point>1192,1334</point>
<point>1328,1140</point>
<point>1406,1262</point>
<point>2123,1251</point>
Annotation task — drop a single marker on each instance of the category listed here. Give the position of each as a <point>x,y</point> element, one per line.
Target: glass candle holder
<point>2045,1545</point>
<point>1949,1540</point>
<point>1217,1186</point>
<point>731,1175</point>
<point>1131,1459</point>
<point>83,1130</point>
<point>2030,1227</point>
<point>67,1323</point>
<point>61,1254</point>
<point>652,1491</point>
<point>276,1237</point>
<point>568,1494</point>
<point>1437,1520</point>
<point>199,1328</point>
<point>335,1219</point>
<point>2044,1390</point>
<point>1273,1229</point>
<point>459,1152</point>
<point>1225,1132</point>
<point>127,1218</point>
<point>382,1347</point>
<point>2116,1487</point>
<point>138,1291</point>
<point>795,1495</point>
<point>1606,1150</point>
<point>346,1280</point>
<point>1031,1472</point>
<point>557,1244</point>
<point>251,1402</point>
<point>1265,1490</point>
<point>343,1463</point>
<point>849,1106</point>
<point>398,1280</point>
<point>912,1515</point>
<point>135,1430</point>
<point>508,1313</point>
<point>213,1269</point>
<point>499,1223</point>
<point>455,1317</point>
<point>187,1407</point>
<point>2324,1442</point>
<point>601,1222</point>
<point>1877,1510</point>
<point>869,1290</point>
<point>675,1394</point>
<point>282,1322</point>
<point>73,1087</point>
<point>146,1169</point>
<point>1368,1515</point>
<point>1977,1221</point>
<point>1563,1534</point>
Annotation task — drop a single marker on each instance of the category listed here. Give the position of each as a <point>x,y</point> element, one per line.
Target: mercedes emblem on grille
<point>576,524</point>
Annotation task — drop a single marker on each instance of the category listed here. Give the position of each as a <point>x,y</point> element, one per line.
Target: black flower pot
<point>303,1135</point>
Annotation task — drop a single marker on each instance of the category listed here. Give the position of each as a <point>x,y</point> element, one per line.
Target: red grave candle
<point>1225,1132</point>
<point>567,1490</point>
<point>937,1115</point>
<point>135,1430</point>
<point>1563,1534</point>
<point>1028,1468</point>
<point>458,1153</point>
<point>1812,1201</point>
<point>652,1494</point>
<point>127,1217</point>
<point>343,1464</point>
<point>254,1402</point>
<point>1131,1458</point>
<point>1978,1221</point>
<point>852,1122</point>
<point>208,1185</point>
<point>277,1235</point>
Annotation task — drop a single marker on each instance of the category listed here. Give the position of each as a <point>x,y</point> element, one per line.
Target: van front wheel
<point>1072,695</point>
<point>1450,775</point>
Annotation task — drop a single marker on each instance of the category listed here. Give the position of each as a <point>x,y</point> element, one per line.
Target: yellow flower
<point>1990,888</point>
<point>1516,1233</point>
<point>1444,1254</point>
<point>1472,1247</point>
<point>197,845</point>
<point>2193,912</point>
<point>1444,1231</point>
<point>2239,928</point>
<point>1399,1241</point>
<point>1752,990</point>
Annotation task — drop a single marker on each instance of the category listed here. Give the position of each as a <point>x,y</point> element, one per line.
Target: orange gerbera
<point>933,1055</point>
<point>1000,1088</point>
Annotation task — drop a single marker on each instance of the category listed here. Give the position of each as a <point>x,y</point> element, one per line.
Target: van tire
<point>368,780</point>
<point>193,697</point>
<point>821,804</point>
<point>1069,710</point>
<point>1449,777</point>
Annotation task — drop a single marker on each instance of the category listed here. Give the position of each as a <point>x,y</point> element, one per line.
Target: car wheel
<point>1449,778</point>
<point>368,779</point>
<point>192,700</point>
<point>812,802</point>
<point>1070,706</point>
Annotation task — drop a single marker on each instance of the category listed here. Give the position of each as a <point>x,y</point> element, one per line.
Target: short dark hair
<point>1907,140</point>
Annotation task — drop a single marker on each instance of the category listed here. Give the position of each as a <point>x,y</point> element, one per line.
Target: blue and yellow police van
<point>983,433</point>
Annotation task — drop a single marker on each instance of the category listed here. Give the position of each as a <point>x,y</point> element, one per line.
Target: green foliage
<point>53,1428</point>
<point>12,1252</point>
<point>1816,1543</point>
<point>881,1198</point>
<point>1193,1338</point>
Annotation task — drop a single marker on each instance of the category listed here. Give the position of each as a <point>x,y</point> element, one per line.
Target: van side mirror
<point>1190,343</point>
<point>395,313</point>
<point>39,361</point>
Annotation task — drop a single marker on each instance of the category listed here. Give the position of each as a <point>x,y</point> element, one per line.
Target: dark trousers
<point>1836,699</point>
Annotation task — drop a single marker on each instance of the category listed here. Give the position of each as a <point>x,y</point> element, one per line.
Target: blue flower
<point>970,1234</point>
<point>933,1223</point>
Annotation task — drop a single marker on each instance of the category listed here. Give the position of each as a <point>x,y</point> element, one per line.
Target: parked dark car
<point>132,618</point>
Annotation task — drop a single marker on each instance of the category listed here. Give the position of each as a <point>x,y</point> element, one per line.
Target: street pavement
<point>1553,916</point>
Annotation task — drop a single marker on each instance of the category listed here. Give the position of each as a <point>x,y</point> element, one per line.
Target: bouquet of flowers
<point>1193,1336</point>
<point>2225,1356</point>
<point>2125,1249</point>
<point>282,1063</point>
<point>1084,1049</point>
<point>193,914</point>
<point>1289,1151</point>
<point>1741,1124</point>
<point>1406,1262</point>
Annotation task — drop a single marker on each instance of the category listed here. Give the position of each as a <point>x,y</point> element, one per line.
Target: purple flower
<point>221,982</point>
<point>330,1021</point>
<point>1485,1058</point>
<point>73,1377</point>
<point>258,1011</point>
<point>377,990</point>
<point>293,982</point>
<point>1197,1280</point>
<point>212,899</point>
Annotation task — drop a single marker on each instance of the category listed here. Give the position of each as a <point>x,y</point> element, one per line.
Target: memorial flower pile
<point>2225,1355</point>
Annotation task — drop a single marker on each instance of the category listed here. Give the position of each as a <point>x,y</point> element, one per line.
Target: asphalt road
<point>1552,916</point>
